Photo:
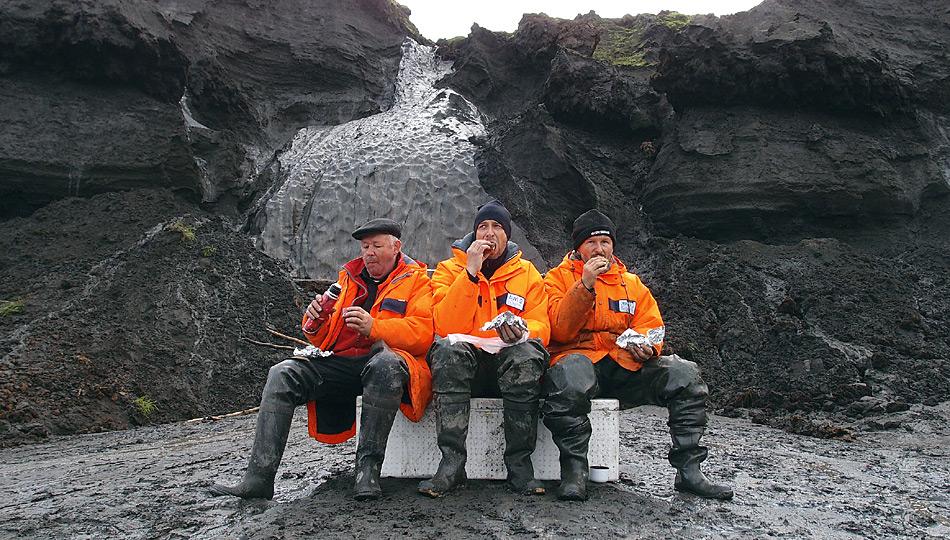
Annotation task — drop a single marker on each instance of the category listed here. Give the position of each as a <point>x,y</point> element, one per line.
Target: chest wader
<point>674,383</point>
<point>666,381</point>
<point>517,370</point>
<point>569,385</point>
<point>381,378</point>
<point>270,437</point>
<point>284,388</point>
<point>384,378</point>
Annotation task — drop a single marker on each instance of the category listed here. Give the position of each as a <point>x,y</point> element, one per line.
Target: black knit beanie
<point>494,210</point>
<point>591,223</point>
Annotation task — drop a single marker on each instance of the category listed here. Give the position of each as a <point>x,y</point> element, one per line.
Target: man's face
<point>491,231</point>
<point>379,253</point>
<point>597,246</point>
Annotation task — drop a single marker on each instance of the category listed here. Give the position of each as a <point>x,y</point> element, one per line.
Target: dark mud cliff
<point>780,179</point>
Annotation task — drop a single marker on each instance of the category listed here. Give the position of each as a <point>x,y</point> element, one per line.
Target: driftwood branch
<point>271,345</point>
<point>252,410</point>
<point>285,336</point>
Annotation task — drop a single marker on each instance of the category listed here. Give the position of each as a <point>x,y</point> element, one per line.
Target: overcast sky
<point>445,19</point>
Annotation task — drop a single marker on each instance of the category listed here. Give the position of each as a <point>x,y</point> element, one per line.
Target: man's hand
<point>475,255</point>
<point>314,310</point>
<point>594,267</point>
<point>357,318</point>
<point>642,353</point>
<point>509,333</point>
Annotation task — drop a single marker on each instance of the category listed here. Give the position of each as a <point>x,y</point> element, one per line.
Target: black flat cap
<point>378,226</point>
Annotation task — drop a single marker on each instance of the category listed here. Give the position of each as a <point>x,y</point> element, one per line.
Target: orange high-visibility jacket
<point>462,307</point>
<point>589,324</point>
<point>402,318</point>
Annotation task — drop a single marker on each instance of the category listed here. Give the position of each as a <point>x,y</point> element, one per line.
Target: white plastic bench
<point>412,451</point>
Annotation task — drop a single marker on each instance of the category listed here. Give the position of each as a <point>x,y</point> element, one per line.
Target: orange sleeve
<point>537,315</point>
<point>454,300</point>
<point>412,332</point>
<point>569,306</point>
<point>648,312</point>
<point>319,339</point>
<point>315,339</point>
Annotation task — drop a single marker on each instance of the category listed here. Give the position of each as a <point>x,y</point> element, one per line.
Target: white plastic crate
<point>412,450</point>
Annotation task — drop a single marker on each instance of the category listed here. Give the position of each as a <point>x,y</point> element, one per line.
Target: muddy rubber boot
<point>685,456</point>
<point>270,437</point>
<point>452,428</point>
<point>572,437</point>
<point>521,435</point>
<point>574,475</point>
<point>375,425</point>
<point>568,387</point>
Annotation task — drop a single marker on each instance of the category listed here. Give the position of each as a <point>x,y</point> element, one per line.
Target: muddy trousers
<point>380,377</point>
<point>461,371</point>
<point>666,381</point>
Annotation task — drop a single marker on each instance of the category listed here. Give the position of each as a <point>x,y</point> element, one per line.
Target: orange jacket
<point>462,307</point>
<point>589,324</point>
<point>402,318</point>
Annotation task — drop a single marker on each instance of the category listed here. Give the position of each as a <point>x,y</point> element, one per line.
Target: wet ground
<point>149,483</point>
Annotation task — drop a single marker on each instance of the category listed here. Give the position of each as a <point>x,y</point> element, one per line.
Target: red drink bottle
<point>326,304</point>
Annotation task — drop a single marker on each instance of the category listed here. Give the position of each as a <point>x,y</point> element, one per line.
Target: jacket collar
<point>404,266</point>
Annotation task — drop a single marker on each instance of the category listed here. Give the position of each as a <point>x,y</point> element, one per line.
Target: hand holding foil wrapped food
<point>505,317</point>
<point>632,338</point>
<point>511,328</point>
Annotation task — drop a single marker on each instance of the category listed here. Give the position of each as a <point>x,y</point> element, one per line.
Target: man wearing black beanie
<point>592,300</point>
<point>484,277</point>
<point>491,212</point>
<point>591,223</point>
<point>495,211</point>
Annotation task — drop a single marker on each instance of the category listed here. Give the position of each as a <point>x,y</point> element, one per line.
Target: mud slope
<point>128,297</point>
<point>148,483</point>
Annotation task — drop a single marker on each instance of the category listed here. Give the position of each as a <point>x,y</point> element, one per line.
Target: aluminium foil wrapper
<point>631,337</point>
<point>310,352</point>
<point>505,317</point>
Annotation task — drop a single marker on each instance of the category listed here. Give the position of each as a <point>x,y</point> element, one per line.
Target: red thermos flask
<point>326,304</point>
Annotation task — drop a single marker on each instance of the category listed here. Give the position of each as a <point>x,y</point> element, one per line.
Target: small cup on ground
<point>599,474</point>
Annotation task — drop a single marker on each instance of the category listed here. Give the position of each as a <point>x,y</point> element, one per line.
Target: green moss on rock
<point>11,307</point>
<point>620,46</point>
<point>673,19</point>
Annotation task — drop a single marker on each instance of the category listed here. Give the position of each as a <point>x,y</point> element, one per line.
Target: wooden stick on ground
<point>285,336</point>
<point>252,410</point>
<point>271,345</point>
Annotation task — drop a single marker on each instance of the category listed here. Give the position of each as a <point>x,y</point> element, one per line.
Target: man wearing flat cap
<point>377,335</point>
<point>485,277</point>
<point>593,300</point>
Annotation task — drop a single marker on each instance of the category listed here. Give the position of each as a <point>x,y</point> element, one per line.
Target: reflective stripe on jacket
<point>462,307</point>
<point>589,324</point>
<point>402,318</point>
